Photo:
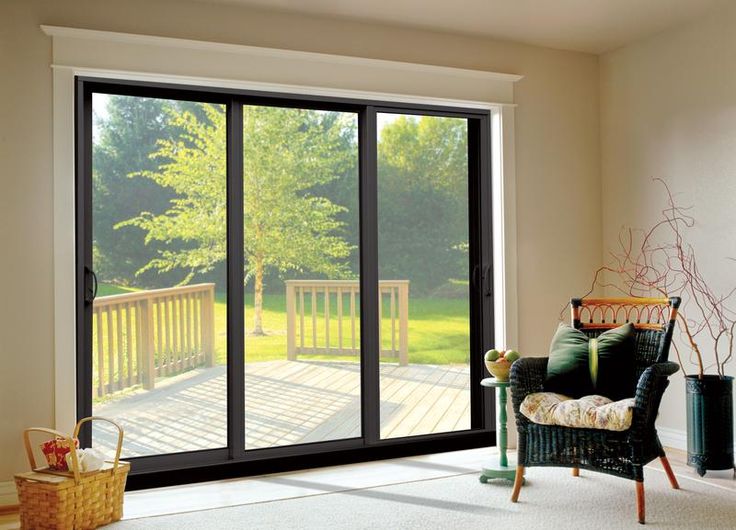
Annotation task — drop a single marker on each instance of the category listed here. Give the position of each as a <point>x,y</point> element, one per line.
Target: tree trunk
<point>258,297</point>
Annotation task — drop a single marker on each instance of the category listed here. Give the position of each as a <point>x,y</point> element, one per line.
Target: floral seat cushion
<point>588,412</point>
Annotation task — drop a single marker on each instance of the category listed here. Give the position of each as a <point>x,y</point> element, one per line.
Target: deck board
<point>417,407</point>
<point>287,402</point>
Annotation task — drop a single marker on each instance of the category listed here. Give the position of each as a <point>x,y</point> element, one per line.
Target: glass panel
<point>302,314</point>
<point>159,246</point>
<point>423,267</point>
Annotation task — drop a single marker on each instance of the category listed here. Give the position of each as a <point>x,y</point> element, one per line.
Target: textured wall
<point>557,150</point>
<point>668,109</point>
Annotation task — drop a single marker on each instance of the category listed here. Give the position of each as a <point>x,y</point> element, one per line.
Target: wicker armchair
<point>625,453</point>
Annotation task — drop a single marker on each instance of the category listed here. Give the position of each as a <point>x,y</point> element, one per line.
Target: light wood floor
<point>287,402</point>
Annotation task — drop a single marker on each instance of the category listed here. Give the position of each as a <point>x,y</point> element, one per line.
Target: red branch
<point>663,263</point>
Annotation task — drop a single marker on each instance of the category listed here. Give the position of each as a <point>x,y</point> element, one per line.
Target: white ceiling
<point>593,26</point>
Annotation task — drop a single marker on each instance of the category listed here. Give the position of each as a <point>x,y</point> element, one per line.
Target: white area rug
<point>551,498</point>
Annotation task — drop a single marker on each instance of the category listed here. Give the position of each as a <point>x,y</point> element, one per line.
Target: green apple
<point>492,355</point>
<point>512,355</point>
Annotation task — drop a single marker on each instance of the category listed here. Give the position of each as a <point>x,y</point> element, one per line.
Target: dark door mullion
<point>235,263</point>
<point>481,253</point>
<point>369,318</point>
<point>83,213</point>
<point>485,228</point>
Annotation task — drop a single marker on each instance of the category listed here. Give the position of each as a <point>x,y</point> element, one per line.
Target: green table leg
<point>501,468</point>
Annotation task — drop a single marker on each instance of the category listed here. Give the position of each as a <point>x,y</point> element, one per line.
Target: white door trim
<point>66,68</point>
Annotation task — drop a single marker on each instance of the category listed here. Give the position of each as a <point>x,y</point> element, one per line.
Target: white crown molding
<point>145,55</point>
<point>275,53</point>
<point>281,88</point>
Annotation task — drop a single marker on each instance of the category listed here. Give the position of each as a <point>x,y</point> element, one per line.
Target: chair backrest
<point>653,319</point>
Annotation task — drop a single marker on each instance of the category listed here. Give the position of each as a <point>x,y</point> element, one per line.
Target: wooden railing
<point>333,328</point>
<point>142,335</point>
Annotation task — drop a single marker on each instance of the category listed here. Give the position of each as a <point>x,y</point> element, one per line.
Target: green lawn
<point>438,329</point>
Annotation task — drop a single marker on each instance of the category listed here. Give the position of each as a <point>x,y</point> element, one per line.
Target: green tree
<point>287,154</point>
<point>127,132</point>
<point>423,201</point>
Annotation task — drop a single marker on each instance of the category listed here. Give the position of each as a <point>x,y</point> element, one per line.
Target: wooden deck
<point>287,402</point>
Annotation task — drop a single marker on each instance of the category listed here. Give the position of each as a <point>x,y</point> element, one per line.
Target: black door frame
<point>234,460</point>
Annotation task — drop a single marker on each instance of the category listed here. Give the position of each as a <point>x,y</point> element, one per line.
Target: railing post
<point>380,320</point>
<point>208,325</point>
<point>100,354</point>
<point>404,323</point>
<point>354,290</point>
<point>149,365</point>
<point>327,319</point>
<point>290,321</point>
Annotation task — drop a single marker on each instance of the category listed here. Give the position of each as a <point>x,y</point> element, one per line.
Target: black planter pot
<point>709,422</point>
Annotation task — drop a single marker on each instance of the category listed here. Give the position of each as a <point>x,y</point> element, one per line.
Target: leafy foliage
<point>287,227</point>
<point>423,194</point>
<point>193,166</point>
<point>129,130</point>
<point>160,195</point>
<point>288,153</point>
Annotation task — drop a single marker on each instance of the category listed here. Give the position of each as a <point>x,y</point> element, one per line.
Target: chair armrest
<point>527,376</point>
<point>649,392</point>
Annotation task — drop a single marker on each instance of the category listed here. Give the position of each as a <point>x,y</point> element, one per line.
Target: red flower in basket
<point>55,452</point>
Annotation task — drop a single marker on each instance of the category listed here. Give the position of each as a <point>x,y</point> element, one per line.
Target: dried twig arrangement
<point>661,262</point>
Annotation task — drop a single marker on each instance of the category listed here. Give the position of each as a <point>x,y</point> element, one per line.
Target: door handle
<point>487,281</point>
<point>90,293</point>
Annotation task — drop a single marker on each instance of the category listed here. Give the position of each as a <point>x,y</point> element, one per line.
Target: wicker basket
<point>71,500</point>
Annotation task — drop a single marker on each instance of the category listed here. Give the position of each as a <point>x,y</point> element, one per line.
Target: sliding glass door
<point>302,312</point>
<point>423,244</point>
<point>269,281</point>
<point>159,347</point>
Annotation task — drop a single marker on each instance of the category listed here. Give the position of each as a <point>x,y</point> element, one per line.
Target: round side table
<point>501,467</point>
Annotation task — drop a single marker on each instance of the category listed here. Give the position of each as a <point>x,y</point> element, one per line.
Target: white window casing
<point>89,53</point>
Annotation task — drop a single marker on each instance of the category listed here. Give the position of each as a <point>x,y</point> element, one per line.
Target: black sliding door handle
<point>487,281</point>
<point>90,292</point>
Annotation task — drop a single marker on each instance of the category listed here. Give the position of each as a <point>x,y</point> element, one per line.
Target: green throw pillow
<point>580,366</point>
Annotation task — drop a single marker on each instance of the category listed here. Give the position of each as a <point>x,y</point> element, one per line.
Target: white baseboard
<point>674,438</point>
<point>8,495</point>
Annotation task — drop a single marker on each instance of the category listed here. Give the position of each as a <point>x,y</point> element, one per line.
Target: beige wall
<point>668,109</point>
<point>557,146</point>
